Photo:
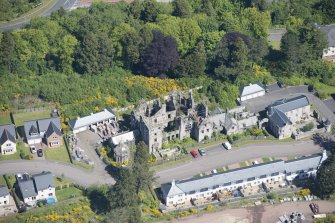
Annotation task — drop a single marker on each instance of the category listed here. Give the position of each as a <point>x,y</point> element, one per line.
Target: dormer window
<point>33,131</point>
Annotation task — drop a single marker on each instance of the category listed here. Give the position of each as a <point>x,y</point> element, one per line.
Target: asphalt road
<point>66,4</point>
<point>217,157</point>
<point>74,173</point>
<point>259,104</point>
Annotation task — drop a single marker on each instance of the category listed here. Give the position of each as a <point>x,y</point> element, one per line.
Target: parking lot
<point>260,104</point>
<point>87,141</point>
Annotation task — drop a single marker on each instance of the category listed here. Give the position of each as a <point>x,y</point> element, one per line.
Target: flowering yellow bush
<point>157,86</point>
<point>210,208</point>
<point>304,192</point>
<point>260,71</point>
<point>156,212</point>
<point>111,101</point>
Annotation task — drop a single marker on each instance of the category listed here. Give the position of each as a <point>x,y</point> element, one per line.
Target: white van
<point>226,145</point>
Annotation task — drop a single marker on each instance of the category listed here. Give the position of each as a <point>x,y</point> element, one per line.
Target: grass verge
<point>20,118</point>
<point>59,154</point>
<point>2,181</point>
<point>171,163</point>
<point>84,165</point>
<point>67,193</point>
<point>5,119</point>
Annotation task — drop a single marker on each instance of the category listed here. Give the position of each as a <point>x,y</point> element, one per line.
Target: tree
<point>181,8</point>
<point>193,64</point>
<point>95,54</point>
<point>124,191</point>
<point>325,177</point>
<point>257,22</point>
<point>328,10</point>
<point>231,57</point>
<point>135,9</point>
<point>143,176</point>
<point>160,55</point>
<point>8,55</point>
<point>99,198</point>
<point>292,51</point>
<point>150,11</point>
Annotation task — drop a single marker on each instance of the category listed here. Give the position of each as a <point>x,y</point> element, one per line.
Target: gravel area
<point>259,214</point>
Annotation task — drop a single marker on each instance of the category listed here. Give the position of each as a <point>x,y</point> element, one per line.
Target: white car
<point>33,149</point>
<point>226,145</point>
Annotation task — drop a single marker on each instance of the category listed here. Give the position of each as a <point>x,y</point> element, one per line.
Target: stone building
<point>285,114</point>
<point>178,116</point>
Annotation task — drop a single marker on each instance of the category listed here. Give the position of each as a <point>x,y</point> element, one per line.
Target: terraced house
<point>181,192</point>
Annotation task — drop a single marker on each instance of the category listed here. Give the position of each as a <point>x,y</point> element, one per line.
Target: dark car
<point>40,153</point>
<point>281,84</point>
<point>310,88</point>
<point>267,90</point>
<point>194,153</point>
<point>202,152</point>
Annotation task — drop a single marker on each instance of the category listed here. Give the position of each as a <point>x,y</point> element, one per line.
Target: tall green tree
<point>328,10</point>
<point>123,192</point>
<point>95,54</point>
<point>150,11</point>
<point>143,176</point>
<point>8,56</point>
<point>326,177</point>
<point>182,8</point>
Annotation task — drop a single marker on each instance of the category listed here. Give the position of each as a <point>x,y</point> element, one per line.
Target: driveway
<point>217,157</point>
<point>87,141</point>
<point>259,104</point>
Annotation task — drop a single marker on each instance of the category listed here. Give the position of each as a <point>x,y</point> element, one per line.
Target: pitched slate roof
<point>7,132</point>
<point>43,181</point>
<point>251,89</point>
<point>330,33</point>
<point>27,188</point>
<point>92,119</point>
<point>4,191</point>
<point>52,129</point>
<point>276,111</point>
<point>244,173</point>
<point>41,126</point>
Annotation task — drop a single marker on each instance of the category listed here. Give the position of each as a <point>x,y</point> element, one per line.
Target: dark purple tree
<point>160,55</point>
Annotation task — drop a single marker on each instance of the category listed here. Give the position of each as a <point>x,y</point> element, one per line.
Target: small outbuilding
<point>251,91</point>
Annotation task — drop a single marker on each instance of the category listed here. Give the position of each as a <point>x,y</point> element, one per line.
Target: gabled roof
<point>244,173</point>
<point>43,181</point>
<point>33,130</point>
<point>125,137</point>
<point>52,129</point>
<point>7,132</point>
<point>251,89</point>
<point>41,125</point>
<point>92,119</point>
<point>27,188</point>
<point>276,111</point>
<point>4,191</point>
<point>330,33</point>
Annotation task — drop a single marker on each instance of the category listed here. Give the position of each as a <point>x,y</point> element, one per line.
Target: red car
<point>194,153</point>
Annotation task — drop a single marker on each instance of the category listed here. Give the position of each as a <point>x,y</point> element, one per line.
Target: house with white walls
<point>7,139</point>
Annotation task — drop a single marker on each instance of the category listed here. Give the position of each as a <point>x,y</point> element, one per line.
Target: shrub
<point>156,212</point>
<point>210,208</point>
<point>193,211</point>
<point>304,192</point>
<point>272,196</point>
<point>308,127</point>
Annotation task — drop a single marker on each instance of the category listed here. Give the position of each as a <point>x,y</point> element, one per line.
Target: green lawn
<point>266,159</point>
<point>5,119</point>
<point>243,164</point>
<point>20,118</point>
<point>15,156</point>
<point>59,153</point>
<point>12,180</point>
<point>68,193</point>
<point>2,181</point>
<point>324,89</point>
<point>83,165</point>
<point>61,182</point>
<point>275,45</point>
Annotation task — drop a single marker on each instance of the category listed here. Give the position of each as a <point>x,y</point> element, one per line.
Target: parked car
<point>33,149</point>
<point>202,152</point>
<point>310,88</point>
<point>194,153</point>
<point>40,153</point>
<point>281,84</point>
<point>254,162</point>
<point>227,145</point>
